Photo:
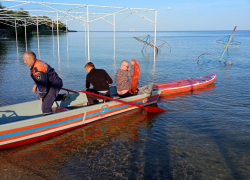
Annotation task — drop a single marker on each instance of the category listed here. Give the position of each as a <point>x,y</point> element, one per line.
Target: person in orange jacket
<point>46,81</point>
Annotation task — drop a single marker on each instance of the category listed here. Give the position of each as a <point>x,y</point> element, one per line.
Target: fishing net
<point>148,41</point>
<point>225,40</point>
<point>136,76</point>
<point>228,40</point>
<point>207,58</point>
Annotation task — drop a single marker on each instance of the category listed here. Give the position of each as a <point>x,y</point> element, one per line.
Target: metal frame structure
<point>78,13</point>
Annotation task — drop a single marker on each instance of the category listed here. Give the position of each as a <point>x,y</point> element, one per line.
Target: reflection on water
<point>92,145</point>
<point>195,92</point>
<point>204,134</point>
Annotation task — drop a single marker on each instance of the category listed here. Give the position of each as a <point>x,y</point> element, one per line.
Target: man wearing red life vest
<point>46,80</point>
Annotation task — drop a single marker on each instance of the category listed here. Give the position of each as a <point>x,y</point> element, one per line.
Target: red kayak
<point>185,84</point>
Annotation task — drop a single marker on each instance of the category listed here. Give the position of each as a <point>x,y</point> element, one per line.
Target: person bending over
<point>99,79</point>
<point>46,80</point>
<point>122,79</point>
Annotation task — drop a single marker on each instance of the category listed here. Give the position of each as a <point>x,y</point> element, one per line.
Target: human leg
<point>48,100</point>
<point>90,99</point>
<point>61,97</point>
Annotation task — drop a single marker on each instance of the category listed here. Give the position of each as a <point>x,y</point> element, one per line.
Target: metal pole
<point>114,33</point>
<point>57,34</point>
<point>53,38</point>
<point>66,26</point>
<point>88,32</point>
<point>52,28</point>
<point>16,37</point>
<point>37,29</point>
<point>155,34</point>
<point>85,39</point>
<point>67,38</point>
<point>25,34</point>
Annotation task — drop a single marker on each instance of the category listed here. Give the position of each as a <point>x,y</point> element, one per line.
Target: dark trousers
<point>91,98</point>
<point>127,94</point>
<point>49,99</point>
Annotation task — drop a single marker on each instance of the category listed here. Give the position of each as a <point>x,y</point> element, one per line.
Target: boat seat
<point>113,92</point>
<point>74,99</point>
<point>115,96</point>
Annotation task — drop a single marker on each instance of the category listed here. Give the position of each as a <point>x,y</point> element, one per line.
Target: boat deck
<point>32,109</point>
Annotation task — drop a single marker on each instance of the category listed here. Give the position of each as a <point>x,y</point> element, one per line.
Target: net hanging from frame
<point>205,57</point>
<point>148,41</point>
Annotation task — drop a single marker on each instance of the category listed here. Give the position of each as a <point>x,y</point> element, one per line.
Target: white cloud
<point>169,8</point>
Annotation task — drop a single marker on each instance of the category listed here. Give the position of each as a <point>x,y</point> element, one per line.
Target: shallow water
<point>203,134</point>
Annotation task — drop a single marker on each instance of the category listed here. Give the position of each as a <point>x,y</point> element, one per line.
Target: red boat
<point>185,84</point>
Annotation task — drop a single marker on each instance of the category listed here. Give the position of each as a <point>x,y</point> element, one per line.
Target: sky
<point>172,15</point>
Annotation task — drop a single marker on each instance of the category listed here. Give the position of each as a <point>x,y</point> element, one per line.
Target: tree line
<point>8,18</point>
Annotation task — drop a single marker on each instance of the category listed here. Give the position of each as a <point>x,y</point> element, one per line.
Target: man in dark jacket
<point>46,80</point>
<point>99,79</point>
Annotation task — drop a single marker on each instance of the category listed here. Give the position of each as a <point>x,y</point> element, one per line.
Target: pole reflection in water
<point>153,70</point>
<point>67,49</point>
<point>17,53</point>
<point>16,38</point>
<point>59,62</point>
<point>48,157</point>
<point>114,65</point>
<point>53,39</point>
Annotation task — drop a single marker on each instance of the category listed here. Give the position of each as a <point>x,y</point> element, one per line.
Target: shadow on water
<point>220,139</point>
<point>3,50</point>
<point>22,44</point>
<point>98,150</point>
<point>157,163</point>
<point>150,158</point>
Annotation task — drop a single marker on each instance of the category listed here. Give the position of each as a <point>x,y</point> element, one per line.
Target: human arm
<point>87,83</point>
<point>108,78</point>
<point>131,71</point>
<point>34,89</point>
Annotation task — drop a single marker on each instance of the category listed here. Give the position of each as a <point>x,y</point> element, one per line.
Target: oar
<point>228,43</point>
<point>150,109</point>
<point>68,90</point>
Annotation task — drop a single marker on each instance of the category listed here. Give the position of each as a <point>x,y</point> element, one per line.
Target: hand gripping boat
<point>185,84</point>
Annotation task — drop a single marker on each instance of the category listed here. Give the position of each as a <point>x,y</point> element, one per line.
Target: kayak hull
<point>185,84</point>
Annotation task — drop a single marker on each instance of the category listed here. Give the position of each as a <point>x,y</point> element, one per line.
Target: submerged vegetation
<point>8,18</point>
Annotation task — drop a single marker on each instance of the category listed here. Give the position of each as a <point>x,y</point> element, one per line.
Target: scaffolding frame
<point>78,13</point>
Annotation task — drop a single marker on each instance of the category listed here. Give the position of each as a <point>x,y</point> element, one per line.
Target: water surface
<point>203,134</point>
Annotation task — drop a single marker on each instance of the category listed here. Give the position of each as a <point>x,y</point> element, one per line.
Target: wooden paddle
<point>150,109</point>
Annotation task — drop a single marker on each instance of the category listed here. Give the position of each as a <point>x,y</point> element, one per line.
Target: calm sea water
<point>204,134</point>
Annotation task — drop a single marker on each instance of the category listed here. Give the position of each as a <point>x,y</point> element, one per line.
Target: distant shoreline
<point>167,31</point>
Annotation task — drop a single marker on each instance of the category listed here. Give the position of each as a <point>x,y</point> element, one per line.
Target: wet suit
<point>48,83</point>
